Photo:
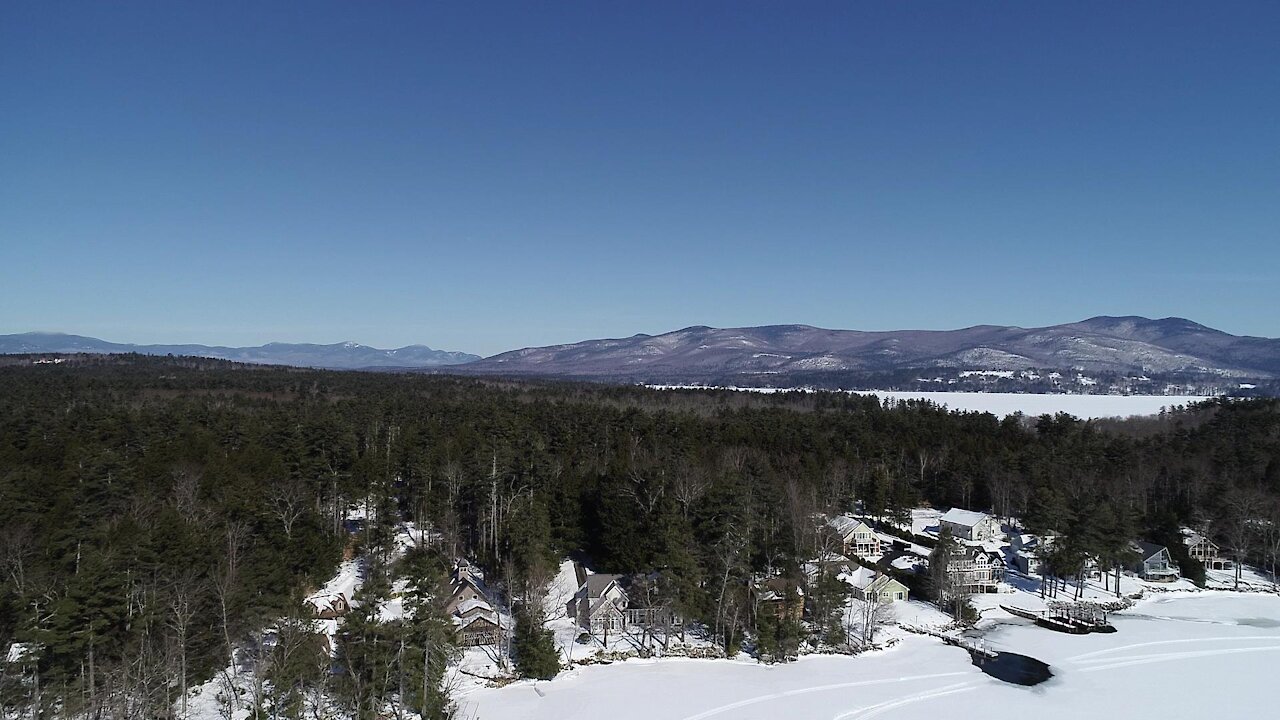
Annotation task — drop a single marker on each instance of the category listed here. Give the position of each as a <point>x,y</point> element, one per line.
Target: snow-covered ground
<point>1175,655</point>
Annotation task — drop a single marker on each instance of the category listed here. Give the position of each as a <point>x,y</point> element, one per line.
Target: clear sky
<point>481,179</point>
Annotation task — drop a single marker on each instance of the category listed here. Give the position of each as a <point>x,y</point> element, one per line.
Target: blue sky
<point>484,178</point>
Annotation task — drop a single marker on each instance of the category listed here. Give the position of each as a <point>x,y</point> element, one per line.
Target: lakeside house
<point>1206,551</point>
<point>781,597</point>
<point>872,586</point>
<point>857,538</point>
<point>970,525</point>
<point>1027,552</point>
<point>600,604</point>
<point>974,569</point>
<point>477,623</point>
<point>475,620</point>
<point>1153,562</point>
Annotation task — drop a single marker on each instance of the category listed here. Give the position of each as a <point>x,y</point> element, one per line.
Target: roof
<point>860,578</point>
<point>482,617</point>
<point>1024,540</point>
<point>1149,550</point>
<point>776,589</point>
<point>883,581</point>
<point>1195,538</point>
<point>472,604</point>
<point>328,602</point>
<point>846,525</point>
<point>596,585</point>
<point>864,578</point>
<point>605,604</point>
<point>464,578</point>
<point>967,518</point>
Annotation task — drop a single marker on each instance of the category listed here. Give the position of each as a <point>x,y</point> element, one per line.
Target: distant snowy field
<point>1180,655</point>
<point>1086,407</point>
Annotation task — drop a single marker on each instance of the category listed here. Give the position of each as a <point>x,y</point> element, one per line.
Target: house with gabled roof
<point>970,525</point>
<point>600,605</point>
<point>329,607</point>
<point>1200,547</point>
<point>857,538</point>
<point>476,623</point>
<point>872,586</point>
<point>463,587</point>
<point>474,618</point>
<point>1027,552</point>
<point>1153,562</point>
<point>975,569</point>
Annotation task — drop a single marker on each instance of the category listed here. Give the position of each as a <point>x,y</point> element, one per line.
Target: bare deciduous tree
<point>17,545</point>
<point>182,612</point>
<point>287,501</point>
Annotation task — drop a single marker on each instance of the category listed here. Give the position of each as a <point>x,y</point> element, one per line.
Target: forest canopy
<point>165,502</point>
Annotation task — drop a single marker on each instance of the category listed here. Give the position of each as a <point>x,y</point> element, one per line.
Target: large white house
<point>974,569</point>
<point>970,525</point>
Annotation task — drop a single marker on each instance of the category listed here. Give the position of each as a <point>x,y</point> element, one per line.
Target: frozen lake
<point>1086,407</point>
<point>1197,655</point>
<point>1082,406</point>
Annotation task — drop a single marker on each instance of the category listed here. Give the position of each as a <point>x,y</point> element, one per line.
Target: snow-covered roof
<point>860,577</point>
<point>846,525</point>
<point>1194,538</point>
<point>471,605</point>
<point>967,518</point>
<point>479,617</point>
<point>328,602</point>
<point>864,578</point>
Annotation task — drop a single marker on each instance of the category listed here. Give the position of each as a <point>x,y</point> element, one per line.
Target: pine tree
<point>535,653</point>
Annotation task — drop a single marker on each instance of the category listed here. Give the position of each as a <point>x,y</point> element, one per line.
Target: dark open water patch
<point>1013,668</point>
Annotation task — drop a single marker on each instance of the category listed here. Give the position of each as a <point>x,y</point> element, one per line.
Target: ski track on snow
<point>801,691</point>
<point>1082,658</point>
<point>1168,657</point>
<point>871,711</point>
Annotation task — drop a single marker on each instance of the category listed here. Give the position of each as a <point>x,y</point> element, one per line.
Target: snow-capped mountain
<point>1119,345</point>
<point>347,355</point>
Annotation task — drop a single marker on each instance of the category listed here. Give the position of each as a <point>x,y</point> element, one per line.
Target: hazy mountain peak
<point>343,355</point>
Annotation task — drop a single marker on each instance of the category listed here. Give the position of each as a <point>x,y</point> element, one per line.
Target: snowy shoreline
<point>1210,644</point>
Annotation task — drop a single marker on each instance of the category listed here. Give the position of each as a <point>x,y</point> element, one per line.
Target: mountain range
<point>338,356</point>
<point>781,355</point>
<point>789,355</point>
